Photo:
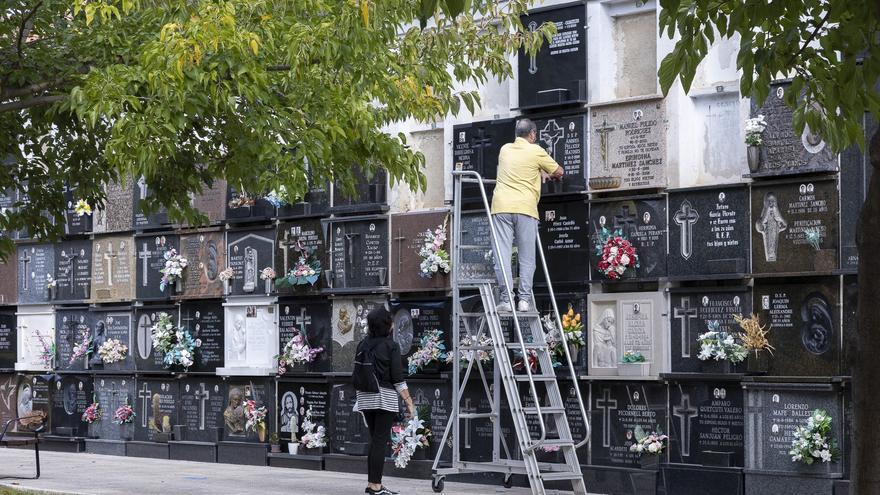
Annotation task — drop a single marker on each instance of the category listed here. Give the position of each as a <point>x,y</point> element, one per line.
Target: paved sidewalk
<point>105,475</point>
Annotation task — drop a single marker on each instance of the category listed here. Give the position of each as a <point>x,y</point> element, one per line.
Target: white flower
<point>624,260</point>
<point>654,447</point>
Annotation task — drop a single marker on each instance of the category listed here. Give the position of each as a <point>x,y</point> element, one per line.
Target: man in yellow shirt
<point>522,167</point>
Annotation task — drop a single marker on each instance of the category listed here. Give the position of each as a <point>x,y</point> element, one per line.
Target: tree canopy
<point>261,93</point>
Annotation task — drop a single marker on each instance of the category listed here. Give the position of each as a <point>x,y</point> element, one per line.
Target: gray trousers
<point>521,231</point>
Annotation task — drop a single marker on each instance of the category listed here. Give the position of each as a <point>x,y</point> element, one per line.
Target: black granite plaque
<point>248,253</point>
<point>783,152</point>
<point>478,260</point>
<point>577,302</point>
<point>476,147</point>
<point>804,322</point>
<point>349,322</point>
<point>245,207</point>
<point>413,320</point>
<point>564,238</point>
<point>348,433</point>
<point>150,259</point>
<point>565,139</point>
<point>706,423</point>
<point>8,339</point>
<point>370,194</point>
<point>309,317</point>
<point>433,402</point>
<point>73,327</point>
<point>74,224</point>
<point>359,258</point>
<point>643,222</point>
<point>156,411</point>
<point>850,319</point>
<point>691,312</point>
<point>33,400</point>
<point>113,324</point>
<point>241,390</point>
<point>617,410</point>
<point>709,231</point>
<point>140,220</point>
<point>295,398</point>
<point>795,226</point>
<point>855,177</point>
<point>316,201</point>
<point>301,241</point>
<point>477,434</point>
<point>204,321</point>
<point>73,270</point>
<point>36,273</point>
<point>201,406</point>
<point>146,357</point>
<point>557,73</point>
<point>71,395</point>
<point>112,392</point>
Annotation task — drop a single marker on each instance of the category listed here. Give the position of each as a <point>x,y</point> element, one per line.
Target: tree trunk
<point>866,343</point>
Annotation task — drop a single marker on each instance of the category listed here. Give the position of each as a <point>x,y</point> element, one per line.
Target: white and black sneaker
<point>381,491</point>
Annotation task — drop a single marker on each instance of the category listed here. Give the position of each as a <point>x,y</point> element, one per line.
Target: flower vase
<point>261,432</point>
<point>268,283</point>
<point>753,153</point>
<point>650,462</point>
<point>178,286</point>
<point>633,369</point>
<point>293,448</point>
<point>51,293</point>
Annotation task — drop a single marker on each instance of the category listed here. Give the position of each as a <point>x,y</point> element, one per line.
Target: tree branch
<point>26,26</point>
<point>811,38</point>
<point>30,102</point>
<point>6,93</point>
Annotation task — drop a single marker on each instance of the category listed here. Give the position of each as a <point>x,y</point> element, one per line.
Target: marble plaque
<point>146,357</point>
<point>309,317</point>
<point>709,231</point>
<point>476,147</point>
<point>433,402</point>
<point>370,194</point>
<point>113,269</point>
<point>239,391</point>
<point>202,402</point>
<point>478,260</point>
<point>73,327</point>
<point>73,271</point>
<point>302,239</point>
<point>114,324</point>
<point>348,433</point>
<point>244,207</point>
<point>690,313</point>
<point>566,244</point>
<point>204,320</point>
<point>206,254</point>
<point>413,319</point>
<point>251,342</point>
<point>477,434</point>
<point>118,210</point>
<point>9,279</point>
<point>8,339</point>
<point>564,137</point>
<point>783,152</point>
<point>804,320</point>
<point>295,398</point>
<point>156,411</point>
<point>316,202</point>
<point>795,226</point>
<point>74,224</point>
<point>349,323</point>
<point>33,400</point>
<point>643,222</point>
<point>705,421</point>
<point>617,409</point>
<point>140,219</point>
<point>628,146</point>
<point>407,238</point>
<point>150,254</point>
<point>71,395</point>
<point>112,392</point>
<point>855,177</point>
<point>36,270</point>
<point>212,201</point>
<point>557,73</point>
<point>8,389</point>
<point>248,253</point>
<point>359,256</point>
<point>627,321</point>
<point>36,336</point>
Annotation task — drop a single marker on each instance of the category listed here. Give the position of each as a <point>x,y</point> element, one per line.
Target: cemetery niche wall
<point>370,193</point>
<point>71,395</point>
<point>476,147</point>
<point>249,252</point>
<point>33,400</point>
<point>855,177</point>
<point>408,236</point>
<point>113,324</point>
<point>557,73</point>
<point>36,338</point>
<point>205,252</point>
<point>73,271</point>
<point>359,257</point>
<point>156,410</point>
<point>617,409</point>
<point>414,320</point>
<point>630,322</point>
<point>151,249</point>
<point>295,399</point>
<point>349,322</point>
<point>9,279</point>
<point>8,339</point>
<point>310,320</point>
<point>564,137</point>
<point>244,206</point>
<point>73,329</point>
<point>36,273</point>
<point>563,230</point>
<point>8,390</point>
<point>348,433</point>
<point>106,436</point>
<point>211,202</point>
<point>147,358</point>
<point>642,222</point>
<point>302,254</point>
<point>243,445</point>
<point>200,422</point>
<point>113,269</point>
<point>316,201</point>
<point>141,220</point>
<point>251,337</point>
<point>204,320</point>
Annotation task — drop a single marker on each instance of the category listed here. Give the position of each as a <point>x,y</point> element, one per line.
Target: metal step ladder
<point>511,346</point>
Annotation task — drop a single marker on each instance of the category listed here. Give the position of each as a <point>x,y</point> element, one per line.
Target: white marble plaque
<point>36,333</point>
<point>251,327</point>
<point>627,322</point>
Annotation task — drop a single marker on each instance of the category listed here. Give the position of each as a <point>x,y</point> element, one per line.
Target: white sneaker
<point>504,307</point>
<point>523,306</point>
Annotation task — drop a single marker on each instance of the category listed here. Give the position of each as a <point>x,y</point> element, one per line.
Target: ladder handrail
<point>458,175</point>
<point>565,345</point>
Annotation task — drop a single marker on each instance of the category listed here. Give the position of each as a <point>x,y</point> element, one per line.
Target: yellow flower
<point>577,318</point>
<point>82,208</point>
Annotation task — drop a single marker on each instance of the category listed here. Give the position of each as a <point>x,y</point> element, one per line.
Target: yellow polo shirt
<point>518,184</point>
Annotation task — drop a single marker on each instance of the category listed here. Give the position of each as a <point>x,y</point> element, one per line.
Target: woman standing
<point>381,408</point>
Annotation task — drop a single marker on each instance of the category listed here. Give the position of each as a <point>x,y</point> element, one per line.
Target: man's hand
<point>545,177</point>
<point>558,173</point>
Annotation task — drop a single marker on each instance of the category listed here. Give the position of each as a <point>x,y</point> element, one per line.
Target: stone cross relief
<point>286,244</point>
<point>685,313</point>
<point>348,263</point>
<point>533,63</point>
<point>685,412</point>
<point>24,263</point>
<point>145,395</point>
<point>144,255</point>
<point>144,337</point>
<point>109,256</point>
<point>550,135</point>
<point>400,238</point>
<point>626,221</point>
<point>202,394</point>
<point>686,217</point>
<point>250,269</point>
<point>607,405</point>
<point>71,261</point>
<point>603,140</point>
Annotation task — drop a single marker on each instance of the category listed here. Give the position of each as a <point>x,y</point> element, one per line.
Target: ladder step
<point>477,415</point>
<point>544,410</point>
<point>537,378</point>
<point>561,476</point>
<point>474,246</point>
<point>527,345</point>
<point>519,314</point>
<point>557,442</point>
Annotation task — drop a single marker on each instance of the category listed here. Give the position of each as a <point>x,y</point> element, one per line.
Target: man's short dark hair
<point>379,322</point>
<point>524,127</point>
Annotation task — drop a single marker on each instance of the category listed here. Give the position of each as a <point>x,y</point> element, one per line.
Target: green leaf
<point>669,70</point>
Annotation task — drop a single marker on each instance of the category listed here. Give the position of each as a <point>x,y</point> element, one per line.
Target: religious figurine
<point>344,324</point>
<point>604,335</point>
<point>158,420</point>
<point>234,414</point>
<point>770,225</point>
<point>25,401</point>
<point>288,414</point>
<point>817,333</point>
<point>239,339</point>
<point>360,319</point>
<point>250,269</point>
<point>97,342</point>
<point>212,270</point>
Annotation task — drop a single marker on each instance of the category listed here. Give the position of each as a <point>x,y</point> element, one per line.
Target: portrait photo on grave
<point>420,328</point>
<point>296,399</point>
<point>359,260</point>
<point>113,269</point>
<point>637,228</point>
